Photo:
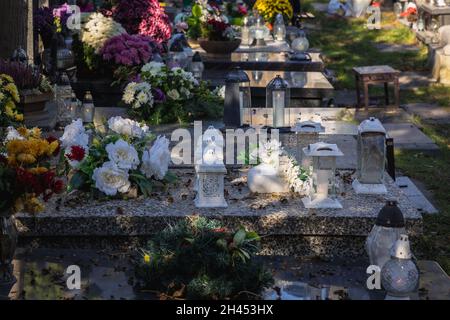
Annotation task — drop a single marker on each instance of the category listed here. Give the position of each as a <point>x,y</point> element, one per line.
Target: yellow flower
<point>36,132</point>
<point>23,131</point>
<point>26,158</point>
<point>33,205</point>
<point>147,258</point>
<point>38,170</point>
<point>19,116</point>
<point>7,78</point>
<point>12,90</point>
<point>52,147</point>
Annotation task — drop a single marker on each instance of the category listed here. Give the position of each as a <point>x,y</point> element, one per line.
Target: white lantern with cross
<point>323,183</point>
<point>371,158</point>
<point>306,130</point>
<point>278,98</point>
<point>210,171</point>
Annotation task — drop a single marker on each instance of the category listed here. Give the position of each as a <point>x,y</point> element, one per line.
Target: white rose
<point>173,94</point>
<point>127,127</point>
<point>75,134</point>
<point>110,179</point>
<point>123,155</point>
<point>155,162</point>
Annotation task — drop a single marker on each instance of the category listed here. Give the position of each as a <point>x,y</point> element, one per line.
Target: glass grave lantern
<point>299,46</point>
<point>177,56</point>
<point>388,227</point>
<point>306,131</point>
<point>259,32</point>
<point>197,67</point>
<point>279,28</point>
<point>63,96</point>
<point>323,184</point>
<point>246,34</point>
<point>210,178</point>
<point>371,150</point>
<point>88,109</point>
<point>399,275</point>
<point>237,97</point>
<point>278,98</point>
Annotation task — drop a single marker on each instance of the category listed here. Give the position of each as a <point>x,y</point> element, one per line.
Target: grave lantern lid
<point>308,126</point>
<point>390,216</point>
<point>322,149</point>
<point>371,125</point>
<point>237,75</point>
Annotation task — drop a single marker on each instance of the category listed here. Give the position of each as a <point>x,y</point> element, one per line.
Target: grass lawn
<point>347,43</point>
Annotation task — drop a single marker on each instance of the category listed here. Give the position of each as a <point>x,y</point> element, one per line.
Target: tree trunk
<point>16,27</point>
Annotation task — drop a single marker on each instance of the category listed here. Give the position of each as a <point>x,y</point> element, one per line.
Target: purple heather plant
<point>128,50</point>
<point>25,76</point>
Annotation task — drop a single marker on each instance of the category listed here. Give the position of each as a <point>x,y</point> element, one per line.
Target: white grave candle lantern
<point>278,98</point>
<point>211,173</point>
<point>323,193</point>
<point>388,227</point>
<point>259,32</point>
<point>371,158</point>
<point>197,67</point>
<point>399,275</point>
<point>88,108</point>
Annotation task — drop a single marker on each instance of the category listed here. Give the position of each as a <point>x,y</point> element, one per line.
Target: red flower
<point>47,179</point>
<point>77,153</point>
<point>58,186</point>
<point>242,9</point>
<point>220,230</point>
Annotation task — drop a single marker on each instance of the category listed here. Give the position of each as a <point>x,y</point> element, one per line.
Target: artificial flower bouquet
<point>167,95</point>
<point>273,154</point>
<point>9,97</point>
<point>269,9</point>
<point>27,177</point>
<point>236,11</point>
<point>120,159</point>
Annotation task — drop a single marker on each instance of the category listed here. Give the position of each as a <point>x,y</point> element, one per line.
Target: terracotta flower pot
<point>219,48</point>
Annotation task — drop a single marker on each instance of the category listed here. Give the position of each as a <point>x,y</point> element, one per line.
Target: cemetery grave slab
<point>286,227</point>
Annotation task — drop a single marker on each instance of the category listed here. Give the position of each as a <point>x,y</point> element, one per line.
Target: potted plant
<point>27,181</point>
<point>218,38</point>
<point>269,9</point>
<point>34,88</point>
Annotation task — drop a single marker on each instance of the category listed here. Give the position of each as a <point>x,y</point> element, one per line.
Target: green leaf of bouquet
<point>77,181</point>
<point>239,237</point>
<point>196,11</point>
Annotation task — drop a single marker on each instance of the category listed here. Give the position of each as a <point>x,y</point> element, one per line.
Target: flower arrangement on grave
<point>199,258</point>
<point>236,11</point>
<point>269,9</point>
<point>144,17</point>
<point>271,154</point>
<point>120,160</point>
<point>9,97</point>
<point>167,95</point>
<point>27,179</point>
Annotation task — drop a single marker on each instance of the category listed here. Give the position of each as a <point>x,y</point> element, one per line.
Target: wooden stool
<point>373,75</point>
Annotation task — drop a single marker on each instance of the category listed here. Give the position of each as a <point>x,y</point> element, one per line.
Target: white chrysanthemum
<point>13,134</point>
<point>98,29</point>
<point>123,154</point>
<point>110,179</point>
<point>153,68</point>
<point>138,95</point>
<point>75,134</point>
<point>155,162</point>
<point>291,172</point>
<point>127,127</point>
<point>268,153</point>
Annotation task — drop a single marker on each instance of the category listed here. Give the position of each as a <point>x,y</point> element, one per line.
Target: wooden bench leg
<point>358,93</point>
<point>386,93</point>
<point>366,95</point>
<point>397,92</point>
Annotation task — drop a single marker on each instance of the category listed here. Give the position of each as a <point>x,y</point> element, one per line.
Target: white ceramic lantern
<point>388,227</point>
<point>279,28</point>
<point>371,158</point>
<point>88,109</point>
<point>278,98</point>
<point>211,173</point>
<point>323,186</point>
<point>399,275</point>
